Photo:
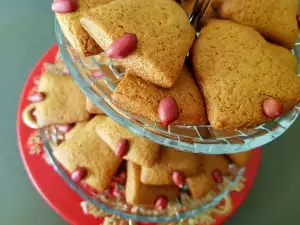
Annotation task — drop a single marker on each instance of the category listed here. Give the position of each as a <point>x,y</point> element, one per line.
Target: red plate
<point>57,193</point>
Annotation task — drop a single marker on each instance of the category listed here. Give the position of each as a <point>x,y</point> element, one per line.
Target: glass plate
<point>184,208</point>
<point>197,139</point>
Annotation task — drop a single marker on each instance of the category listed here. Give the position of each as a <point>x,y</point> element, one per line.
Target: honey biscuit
<point>240,159</point>
<point>74,32</point>
<point>77,128</point>
<point>274,19</point>
<point>64,102</point>
<point>203,182</point>
<point>141,98</point>
<point>85,149</point>
<point>141,194</point>
<point>142,151</point>
<point>200,184</point>
<point>171,160</point>
<point>238,70</point>
<point>164,37</point>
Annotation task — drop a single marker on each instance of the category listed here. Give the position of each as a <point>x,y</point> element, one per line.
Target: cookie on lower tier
<point>203,182</point>
<point>141,150</point>
<point>275,19</point>
<point>238,70</point>
<point>74,32</point>
<point>141,98</point>
<point>141,194</point>
<point>64,102</point>
<point>240,159</point>
<point>171,160</point>
<point>86,150</point>
<point>164,36</point>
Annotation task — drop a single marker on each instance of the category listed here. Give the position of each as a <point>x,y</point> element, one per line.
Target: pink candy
<point>123,46</point>
<point>64,6</point>
<point>272,108</point>
<point>168,111</point>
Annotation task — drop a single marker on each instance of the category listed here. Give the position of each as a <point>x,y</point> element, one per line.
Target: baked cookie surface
<point>74,32</point>
<point>171,160</point>
<point>141,98</point>
<point>85,149</point>
<point>141,150</point>
<point>141,194</point>
<point>274,19</point>
<point>238,70</point>
<point>163,31</point>
<point>64,102</point>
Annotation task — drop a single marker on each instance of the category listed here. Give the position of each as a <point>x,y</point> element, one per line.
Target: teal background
<point>27,31</point>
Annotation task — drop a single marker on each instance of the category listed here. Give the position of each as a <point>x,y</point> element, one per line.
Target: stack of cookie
<point>242,75</point>
<point>97,151</point>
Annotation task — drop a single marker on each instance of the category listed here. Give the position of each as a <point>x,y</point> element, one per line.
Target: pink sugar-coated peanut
<point>65,128</point>
<point>178,178</point>
<point>123,46</point>
<point>298,20</point>
<point>272,108</point>
<point>217,175</point>
<point>122,148</point>
<point>161,202</point>
<point>79,174</point>
<point>37,97</point>
<point>64,6</point>
<point>168,111</point>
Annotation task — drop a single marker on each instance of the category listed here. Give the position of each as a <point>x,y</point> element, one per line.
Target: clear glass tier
<point>184,208</point>
<point>198,139</point>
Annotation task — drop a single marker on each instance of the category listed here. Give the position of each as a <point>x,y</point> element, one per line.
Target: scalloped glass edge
<point>252,142</point>
<point>128,216</point>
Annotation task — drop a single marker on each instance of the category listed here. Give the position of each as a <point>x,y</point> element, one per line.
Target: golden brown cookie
<point>238,70</point>
<point>141,98</point>
<point>215,162</point>
<point>142,151</point>
<point>85,149</point>
<point>64,102</point>
<point>202,182</point>
<point>171,160</point>
<point>141,194</point>
<point>240,159</point>
<point>164,36</point>
<point>77,128</point>
<point>73,30</point>
<point>274,19</point>
<point>92,108</point>
<point>58,68</point>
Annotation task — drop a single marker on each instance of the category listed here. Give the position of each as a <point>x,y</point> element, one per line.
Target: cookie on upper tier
<point>163,31</point>
<point>64,102</point>
<point>72,29</point>
<point>141,98</point>
<point>141,194</point>
<point>274,19</point>
<point>238,70</point>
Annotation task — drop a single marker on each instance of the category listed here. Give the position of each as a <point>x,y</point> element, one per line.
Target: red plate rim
<point>60,196</point>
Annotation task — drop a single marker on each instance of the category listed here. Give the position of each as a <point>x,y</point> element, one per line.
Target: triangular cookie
<point>163,31</point>
<point>238,70</point>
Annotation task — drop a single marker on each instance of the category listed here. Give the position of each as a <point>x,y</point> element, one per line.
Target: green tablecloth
<point>27,31</point>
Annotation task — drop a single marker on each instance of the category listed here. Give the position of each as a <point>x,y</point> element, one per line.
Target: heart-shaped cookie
<point>238,70</point>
